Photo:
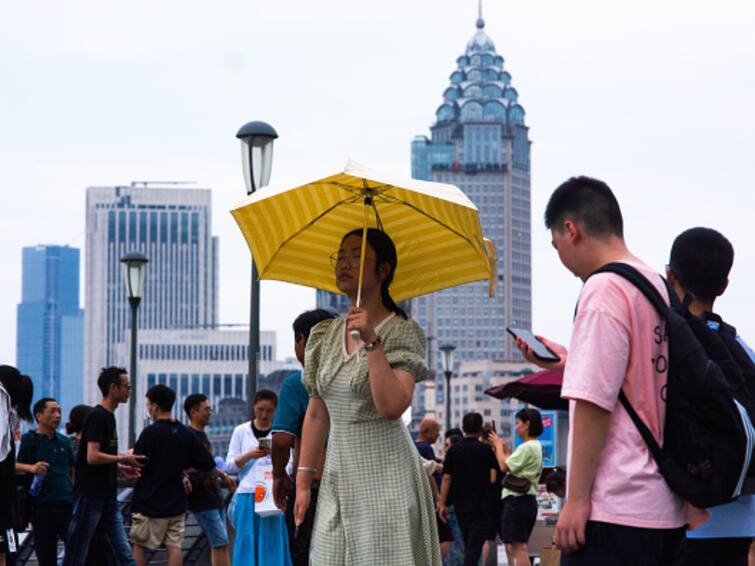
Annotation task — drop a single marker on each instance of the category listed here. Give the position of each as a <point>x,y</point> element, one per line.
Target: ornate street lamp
<point>134,270</point>
<point>448,351</point>
<point>257,163</point>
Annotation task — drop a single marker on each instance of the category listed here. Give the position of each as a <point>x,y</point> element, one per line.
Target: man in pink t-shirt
<point>619,509</point>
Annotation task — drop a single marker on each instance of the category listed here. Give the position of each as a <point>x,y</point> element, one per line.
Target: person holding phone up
<point>259,540</point>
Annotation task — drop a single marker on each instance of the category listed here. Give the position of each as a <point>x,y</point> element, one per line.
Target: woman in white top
<point>259,540</point>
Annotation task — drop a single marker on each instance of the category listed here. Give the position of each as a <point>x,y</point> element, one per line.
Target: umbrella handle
<point>355,333</point>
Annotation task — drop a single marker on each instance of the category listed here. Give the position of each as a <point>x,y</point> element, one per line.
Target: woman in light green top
<point>519,510</point>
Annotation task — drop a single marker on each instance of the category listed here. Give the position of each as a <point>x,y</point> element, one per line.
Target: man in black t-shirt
<point>469,470</point>
<point>205,499</point>
<point>94,504</point>
<point>159,503</point>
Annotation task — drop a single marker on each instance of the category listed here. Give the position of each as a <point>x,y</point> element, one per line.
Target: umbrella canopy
<point>292,231</point>
<point>542,389</point>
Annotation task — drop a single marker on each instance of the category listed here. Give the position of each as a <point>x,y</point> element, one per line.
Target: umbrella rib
<point>351,200</point>
<point>423,213</point>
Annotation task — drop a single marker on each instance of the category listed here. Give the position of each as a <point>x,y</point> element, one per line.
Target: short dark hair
<point>76,418</point>
<point>701,259</point>
<point>531,416</point>
<point>162,396</point>
<point>455,431</point>
<point>471,423</point>
<point>265,395</point>
<point>306,320</point>
<point>555,480</point>
<point>20,389</point>
<point>110,376</point>
<point>588,202</point>
<point>454,438</point>
<point>41,405</point>
<point>192,402</point>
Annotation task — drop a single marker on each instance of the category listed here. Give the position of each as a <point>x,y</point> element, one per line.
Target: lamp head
<point>256,153</point>
<point>448,356</point>
<point>134,270</point>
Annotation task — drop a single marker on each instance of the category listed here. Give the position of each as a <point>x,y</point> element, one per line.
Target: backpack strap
<point>644,431</point>
<point>656,299</point>
<point>641,282</point>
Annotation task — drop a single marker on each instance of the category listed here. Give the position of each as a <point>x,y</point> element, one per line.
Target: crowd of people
<point>352,486</point>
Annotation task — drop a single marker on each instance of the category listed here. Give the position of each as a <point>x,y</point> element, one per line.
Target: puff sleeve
<point>312,356</point>
<point>405,349</point>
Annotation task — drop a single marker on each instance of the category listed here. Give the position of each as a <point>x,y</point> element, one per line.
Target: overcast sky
<point>654,97</point>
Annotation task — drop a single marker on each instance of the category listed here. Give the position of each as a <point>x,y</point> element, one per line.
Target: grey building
<point>172,227</point>
<point>480,143</point>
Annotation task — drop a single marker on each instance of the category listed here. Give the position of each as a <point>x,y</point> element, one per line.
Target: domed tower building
<point>480,143</point>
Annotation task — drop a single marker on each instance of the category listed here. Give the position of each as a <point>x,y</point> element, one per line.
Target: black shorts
<point>714,551</point>
<point>445,534</point>
<point>494,526</point>
<point>518,517</point>
<point>619,545</point>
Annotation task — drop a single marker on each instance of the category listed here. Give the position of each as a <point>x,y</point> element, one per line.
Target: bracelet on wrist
<point>307,469</point>
<point>370,346</point>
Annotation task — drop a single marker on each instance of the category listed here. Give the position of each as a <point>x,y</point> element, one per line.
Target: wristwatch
<point>370,346</point>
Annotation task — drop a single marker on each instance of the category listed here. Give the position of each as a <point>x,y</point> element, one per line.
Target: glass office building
<point>480,143</point>
<point>50,324</point>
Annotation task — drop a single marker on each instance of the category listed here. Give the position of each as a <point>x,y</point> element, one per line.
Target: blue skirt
<point>260,541</point>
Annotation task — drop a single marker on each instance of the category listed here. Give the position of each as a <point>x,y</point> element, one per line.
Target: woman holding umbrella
<point>375,503</point>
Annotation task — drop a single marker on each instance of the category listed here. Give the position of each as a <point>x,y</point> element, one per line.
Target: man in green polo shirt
<point>49,454</point>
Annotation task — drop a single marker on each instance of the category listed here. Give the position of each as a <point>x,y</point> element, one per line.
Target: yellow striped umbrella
<point>292,231</point>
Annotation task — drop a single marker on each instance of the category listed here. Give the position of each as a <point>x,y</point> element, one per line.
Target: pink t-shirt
<point>618,341</point>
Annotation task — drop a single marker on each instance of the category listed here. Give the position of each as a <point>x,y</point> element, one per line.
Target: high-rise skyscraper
<point>172,227</point>
<point>50,324</point>
<point>480,143</point>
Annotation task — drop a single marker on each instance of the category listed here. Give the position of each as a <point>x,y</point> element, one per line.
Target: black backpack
<point>708,435</point>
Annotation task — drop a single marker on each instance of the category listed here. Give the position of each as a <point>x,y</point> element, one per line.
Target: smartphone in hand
<point>541,351</point>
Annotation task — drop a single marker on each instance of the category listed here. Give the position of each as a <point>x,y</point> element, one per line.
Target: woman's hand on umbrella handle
<point>555,347</point>
<point>358,320</point>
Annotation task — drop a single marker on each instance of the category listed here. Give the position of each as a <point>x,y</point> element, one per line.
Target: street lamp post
<point>134,270</point>
<point>257,163</point>
<point>448,370</point>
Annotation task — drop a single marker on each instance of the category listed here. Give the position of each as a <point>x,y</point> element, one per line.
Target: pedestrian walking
<point>455,554</point>
<point>49,457</point>
<point>469,470</point>
<point>287,429</point>
<point>75,425</point>
<point>519,509</point>
<point>16,392</point>
<point>260,541</point>
<point>158,508</point>
<point>429,432</point>
<point>699,266</point>
<point>619,509</point>
<point>374,498</point>
<point>205,499</point>
<point>95,503</point>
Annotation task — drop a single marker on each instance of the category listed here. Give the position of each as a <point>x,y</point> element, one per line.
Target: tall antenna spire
<point>480,21</point>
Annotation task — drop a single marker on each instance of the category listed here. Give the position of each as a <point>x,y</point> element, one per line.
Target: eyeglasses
<point>353,258</point>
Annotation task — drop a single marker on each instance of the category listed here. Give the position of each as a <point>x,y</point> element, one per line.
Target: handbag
<point>516,484</point>
<point>550,556</point>
<point>262,476</point>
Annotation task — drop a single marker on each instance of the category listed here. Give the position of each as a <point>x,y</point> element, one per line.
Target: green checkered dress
<point>375,504</point>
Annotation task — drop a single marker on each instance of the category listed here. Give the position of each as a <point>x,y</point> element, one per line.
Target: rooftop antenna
<point>480,21</point>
